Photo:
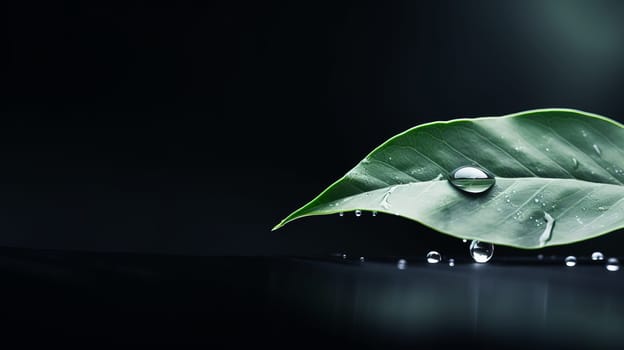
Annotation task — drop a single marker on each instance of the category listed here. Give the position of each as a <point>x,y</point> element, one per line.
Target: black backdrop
<point>194,127</point>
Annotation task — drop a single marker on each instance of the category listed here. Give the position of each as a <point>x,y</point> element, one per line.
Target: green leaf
<point>562,164</point>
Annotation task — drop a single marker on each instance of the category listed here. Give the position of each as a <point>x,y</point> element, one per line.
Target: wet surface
<point>302,302</point>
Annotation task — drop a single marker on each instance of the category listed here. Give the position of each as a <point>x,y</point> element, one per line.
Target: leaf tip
<point>277,226</point>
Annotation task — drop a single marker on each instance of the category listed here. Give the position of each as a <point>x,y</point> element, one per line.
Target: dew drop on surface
<point>481,252</point>
<point>464,240</point>
<point>401,264</point>
<point>597,149</point>
<point>362,259</point>
<point>596,256</point>
<point>344,256</point>
<point>374,213</point>
<point>540,256</point>
<point>575,163</point>
<point>341,214</point>
<point>570,261</point>
<point>451,262</point>
<point>358,213</point>
<point>471,179</point>
<point>434,257</point>
<point>613,264</point>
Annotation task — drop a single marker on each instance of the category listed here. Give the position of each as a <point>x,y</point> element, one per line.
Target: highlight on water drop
<point>481,252</point>
<point>471,179</point>
<point>434,257</point>
<point>570,261</point>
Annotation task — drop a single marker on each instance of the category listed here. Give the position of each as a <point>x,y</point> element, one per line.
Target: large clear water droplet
<point>613,264</point>
<point>471,179</point>
<point>434,257</point>
<point>401,264</point>
<point>570,261</point>
<point>597,256</point>
<point>358,213</point>
<point>481,252</point>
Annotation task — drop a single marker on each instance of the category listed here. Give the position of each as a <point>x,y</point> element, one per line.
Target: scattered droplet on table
<point>401,264</point>
<point>597,256</point>
<point>481,252</point>
<point>570,261</point>
<point>613,264</point>
<point>434,257</point>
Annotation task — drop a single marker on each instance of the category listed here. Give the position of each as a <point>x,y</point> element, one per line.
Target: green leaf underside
<point>566,163</point>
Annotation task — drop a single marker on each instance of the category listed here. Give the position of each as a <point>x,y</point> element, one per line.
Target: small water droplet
<point>575,163</point>
<point>540,256</point>
<point>536,200</point>
<point>374,213</point>
<point>389,158</point>
<point>344,256</point>
<point>471,179</point>
<point>547,149</point>
<point>341,214</point>
<point>362,259</point>
<point>570,261</point>
<point>603,208</point>
<point>451,262</point>
<point>358,213</point>
<point>613,264</point>
<point>597,149</point>
<point>401,264</point>
<point>597,256</point>
<point>481,252</point>
<point>434,257</point>
<point>464,240</point>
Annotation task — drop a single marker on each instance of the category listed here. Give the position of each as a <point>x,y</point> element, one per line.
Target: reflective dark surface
<point>97,298</point>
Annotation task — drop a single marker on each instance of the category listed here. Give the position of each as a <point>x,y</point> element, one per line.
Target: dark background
<point>194,127</point>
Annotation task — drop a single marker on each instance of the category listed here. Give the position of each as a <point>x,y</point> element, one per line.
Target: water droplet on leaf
<point>471,179</point>
<point>358,213</point>
<point>341,214</point>
<point>451,262</point>
<point>575,163</point>
<point>434,257</point>
<point>597,149</point>
<point>481,252</point>
<point>547,234</point>
<point>362,259</point>
<point>570,261</point>
<point>374,213</point>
